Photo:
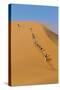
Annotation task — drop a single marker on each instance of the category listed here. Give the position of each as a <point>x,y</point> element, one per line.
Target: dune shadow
<point>53,36</point>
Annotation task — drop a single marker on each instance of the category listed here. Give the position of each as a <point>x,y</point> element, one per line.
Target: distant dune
<point>53,36</point>
<point>34,50</point>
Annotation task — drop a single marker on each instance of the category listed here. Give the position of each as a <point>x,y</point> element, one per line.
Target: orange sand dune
<point>33,54</point>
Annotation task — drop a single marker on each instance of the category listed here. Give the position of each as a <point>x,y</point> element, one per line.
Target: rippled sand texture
<point>33,54</point>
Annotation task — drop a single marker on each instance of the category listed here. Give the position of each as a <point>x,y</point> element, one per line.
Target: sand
<point>28,63</point>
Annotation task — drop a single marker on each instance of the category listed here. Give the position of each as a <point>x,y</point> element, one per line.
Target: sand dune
<point>33,54</point>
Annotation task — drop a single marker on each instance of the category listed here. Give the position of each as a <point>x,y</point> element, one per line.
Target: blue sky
<point>44,14</point>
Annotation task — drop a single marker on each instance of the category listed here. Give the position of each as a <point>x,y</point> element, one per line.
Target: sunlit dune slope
<point>33,54</point>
